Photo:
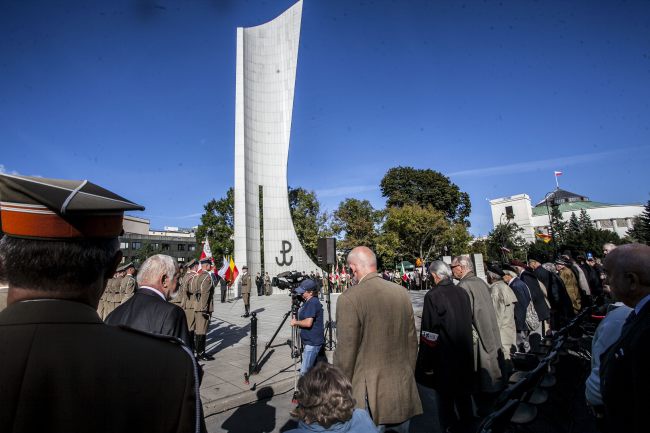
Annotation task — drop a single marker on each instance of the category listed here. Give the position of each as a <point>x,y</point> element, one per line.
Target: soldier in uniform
<point>68,230</point>
<point>117,289</point>
<point>103,304</point>
<point>267,284</point>
<point>259,283</point>
<point>202,288</point>
<point>190,298</point>
<point>245,287</point>
<point>109,293</point>
<point>128,285</point>
<point>223,285</point>
<point>181,296</point>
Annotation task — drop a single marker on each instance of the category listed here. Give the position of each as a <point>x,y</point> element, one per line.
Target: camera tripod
<point>294,342</point>
<point>330,344</point>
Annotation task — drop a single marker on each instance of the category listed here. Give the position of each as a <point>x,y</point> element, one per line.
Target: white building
<point>267,57</point>
<point>518,209</point>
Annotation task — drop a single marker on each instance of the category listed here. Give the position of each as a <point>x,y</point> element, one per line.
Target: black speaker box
<point>326,251</point>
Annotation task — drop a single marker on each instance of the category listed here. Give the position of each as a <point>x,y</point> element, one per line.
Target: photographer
<point>310,322</point>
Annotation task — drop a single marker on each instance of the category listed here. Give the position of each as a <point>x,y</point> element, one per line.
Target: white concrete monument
<point>267,56</point>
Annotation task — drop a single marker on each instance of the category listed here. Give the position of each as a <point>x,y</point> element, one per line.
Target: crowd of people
<point>67,370</point>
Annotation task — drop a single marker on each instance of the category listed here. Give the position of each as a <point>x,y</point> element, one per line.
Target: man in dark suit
<point>625,367</point>
<point>148,310</point>
<point>63,369</point>
<point>446,356</point>
<point>377,344</point>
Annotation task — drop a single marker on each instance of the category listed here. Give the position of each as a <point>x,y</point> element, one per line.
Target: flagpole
<point>557,184</point>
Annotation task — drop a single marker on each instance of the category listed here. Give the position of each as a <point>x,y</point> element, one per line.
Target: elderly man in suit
<point>625,367</point>
<point>445,363</point>
<point>377,344</point>
<point>67,371</point>
<point>148,310</point>
<point>488,351</point>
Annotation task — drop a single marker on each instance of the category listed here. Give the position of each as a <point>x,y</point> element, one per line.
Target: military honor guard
<point>259,283</point>
<point>128,285</point>
<point>202,289</point>
<point>245,288</point>
<point>190,298</point>
<point>267,285</point>
<point>67,371</point>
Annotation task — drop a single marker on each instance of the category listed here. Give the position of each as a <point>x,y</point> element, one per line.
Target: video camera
<point>290,280</point>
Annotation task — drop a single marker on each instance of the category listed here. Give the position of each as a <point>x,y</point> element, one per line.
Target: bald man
<point>625,367</point>
<point>377,344</point>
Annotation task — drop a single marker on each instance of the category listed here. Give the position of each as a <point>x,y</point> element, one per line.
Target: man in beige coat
<point>377,344</point>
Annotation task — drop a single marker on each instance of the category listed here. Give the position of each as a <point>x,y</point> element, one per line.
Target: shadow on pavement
<point>255,417</point>
<point>222,337</point>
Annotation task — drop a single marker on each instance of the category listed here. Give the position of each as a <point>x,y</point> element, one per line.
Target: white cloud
<point>546,164</point>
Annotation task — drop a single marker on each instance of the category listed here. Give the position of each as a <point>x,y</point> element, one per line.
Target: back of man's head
<point>440,269</point>
<point>61,269</point>
<point>154,268</point>
<point>628,272</point>
<point>363,259</point>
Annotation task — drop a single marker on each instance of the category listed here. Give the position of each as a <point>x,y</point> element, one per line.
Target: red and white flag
<point>224,268</point>
<point>558,173</point>
<point>207,252</point>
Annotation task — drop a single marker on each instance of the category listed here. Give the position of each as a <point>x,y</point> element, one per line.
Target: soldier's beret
<point>39,208</point>
<point>244,267</point>
<point>192,263</point>
<point>206,260</point>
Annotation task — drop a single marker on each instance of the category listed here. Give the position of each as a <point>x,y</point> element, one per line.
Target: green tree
<point>144,253</point>
<point>217,222</point>
<point>407,185</point>
<point>542,250</point>
<point>505,242</point>
<point>308,221</point>
<point>558,225</point>
<point>356,221</point>
<point>640,232</point>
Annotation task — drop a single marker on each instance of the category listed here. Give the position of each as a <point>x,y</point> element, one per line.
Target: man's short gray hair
<point>465,262</point>
<point>441,269</point>
<point>154,267</point>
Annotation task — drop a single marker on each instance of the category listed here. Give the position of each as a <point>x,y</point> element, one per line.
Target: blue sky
<point>138,96</point>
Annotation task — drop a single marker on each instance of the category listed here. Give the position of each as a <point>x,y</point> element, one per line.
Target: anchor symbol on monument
<point>286,247</point>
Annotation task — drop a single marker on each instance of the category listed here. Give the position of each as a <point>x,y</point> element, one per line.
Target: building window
<point>165,247</point>
<point>181,247</point>
<point>510,214</point>
<point>181,259</point>
<point>621,222</point>
<point>155,246</point>
<point>136,245</point>
<point>606,224</point>
<point>191,247</point>
<point>124,245</point>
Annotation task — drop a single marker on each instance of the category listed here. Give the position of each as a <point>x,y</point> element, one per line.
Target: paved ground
<point>223,388</point>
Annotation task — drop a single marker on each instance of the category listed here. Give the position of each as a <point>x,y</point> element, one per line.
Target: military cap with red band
<point>40,208</point>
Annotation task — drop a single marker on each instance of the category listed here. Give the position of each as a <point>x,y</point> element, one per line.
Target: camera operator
<point>310,322</point>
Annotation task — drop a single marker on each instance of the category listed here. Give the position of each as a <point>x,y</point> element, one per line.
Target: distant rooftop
<point>574,206</point>
<point>560,196</point>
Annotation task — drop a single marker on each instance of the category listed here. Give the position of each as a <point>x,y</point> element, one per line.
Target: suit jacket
<point>520,290</point>
<point>377,348</point>
<point>488,348</point>
<point>625,377</point>
<point>446,356</point>
<point>146,311</point>
<point>538,298</point>
<point>66,371</point>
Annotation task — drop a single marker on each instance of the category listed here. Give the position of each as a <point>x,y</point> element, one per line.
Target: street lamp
<point>550,220</point>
